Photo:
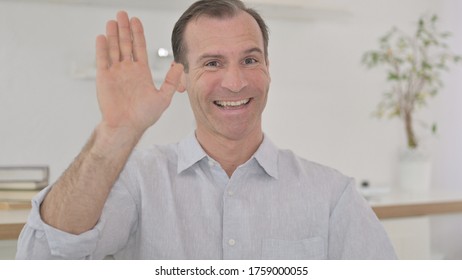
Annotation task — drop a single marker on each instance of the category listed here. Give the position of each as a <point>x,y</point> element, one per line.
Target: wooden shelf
<point>10,231</point>
<point>11,223</point>
<point>412,204</point>
<point>417,209</point>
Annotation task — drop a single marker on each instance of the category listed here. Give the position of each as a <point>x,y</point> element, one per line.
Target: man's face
<point>228,78</point>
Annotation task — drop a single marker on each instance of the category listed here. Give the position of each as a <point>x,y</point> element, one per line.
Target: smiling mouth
<point>232,104</point>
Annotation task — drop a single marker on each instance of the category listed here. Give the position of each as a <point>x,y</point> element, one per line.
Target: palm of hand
<point>127,95</point>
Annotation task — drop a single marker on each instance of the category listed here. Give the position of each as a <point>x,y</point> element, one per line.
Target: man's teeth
<point>232,103</point>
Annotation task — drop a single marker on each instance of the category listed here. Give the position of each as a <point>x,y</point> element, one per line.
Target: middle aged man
<point>225,192</point>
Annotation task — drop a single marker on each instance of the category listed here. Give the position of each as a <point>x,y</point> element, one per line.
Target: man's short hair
<point>213,9</point>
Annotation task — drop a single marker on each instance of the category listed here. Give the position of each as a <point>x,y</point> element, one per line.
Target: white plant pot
<point>414,170</point>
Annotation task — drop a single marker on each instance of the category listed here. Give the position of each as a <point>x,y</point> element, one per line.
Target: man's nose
<point>234,79</point>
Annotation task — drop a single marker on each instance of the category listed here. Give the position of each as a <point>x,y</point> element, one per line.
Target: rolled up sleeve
<point>39,240</point>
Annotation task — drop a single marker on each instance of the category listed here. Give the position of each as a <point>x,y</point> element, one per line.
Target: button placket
<point>232,231</point>
<point>229,224</point>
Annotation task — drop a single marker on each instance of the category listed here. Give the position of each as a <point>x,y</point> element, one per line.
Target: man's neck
<point>230,153</point>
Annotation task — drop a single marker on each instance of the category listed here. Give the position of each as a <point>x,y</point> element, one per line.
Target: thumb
<point>172,80</point>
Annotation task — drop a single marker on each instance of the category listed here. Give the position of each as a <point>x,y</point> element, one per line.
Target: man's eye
<point>250,60</point>
<point>212,64</point>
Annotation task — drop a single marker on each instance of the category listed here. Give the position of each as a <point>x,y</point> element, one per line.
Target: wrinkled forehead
<point>226,31</point>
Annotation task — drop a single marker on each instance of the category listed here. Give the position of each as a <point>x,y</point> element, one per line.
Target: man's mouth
<point>232,104</point>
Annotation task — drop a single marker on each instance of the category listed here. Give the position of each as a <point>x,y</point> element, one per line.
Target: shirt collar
<point>190,152</point>
<point>267,157</point>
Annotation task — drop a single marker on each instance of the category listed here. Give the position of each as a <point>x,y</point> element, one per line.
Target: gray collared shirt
<point>175,202</point>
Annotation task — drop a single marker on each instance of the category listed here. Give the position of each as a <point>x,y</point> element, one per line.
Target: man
<point>225,192</point>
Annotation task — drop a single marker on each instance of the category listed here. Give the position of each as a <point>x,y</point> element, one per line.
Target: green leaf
<point>426,65</point>
<point>393,76</point>
<point>396,112</point>
<point>434,128</point>
<point>421,23</point>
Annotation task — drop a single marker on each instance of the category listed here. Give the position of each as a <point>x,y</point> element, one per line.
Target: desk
<point>411,204</point>
<point>12,222</point>
<point>406,218</point>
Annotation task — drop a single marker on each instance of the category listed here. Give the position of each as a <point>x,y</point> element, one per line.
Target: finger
<point>172,80</point>
<point>125,36</point>
<point>102,57</point>
<point>139,41</point>
<point>112,36</point>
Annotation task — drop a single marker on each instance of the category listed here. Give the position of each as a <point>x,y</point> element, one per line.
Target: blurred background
<point>320,102</point>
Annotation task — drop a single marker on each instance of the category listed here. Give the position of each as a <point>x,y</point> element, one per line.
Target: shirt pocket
<point>304,249</point>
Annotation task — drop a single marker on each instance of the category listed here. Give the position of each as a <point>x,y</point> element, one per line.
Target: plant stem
<point>411,140</point>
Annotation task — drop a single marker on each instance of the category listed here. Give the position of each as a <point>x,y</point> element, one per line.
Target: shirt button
<point>232,242</point>
<point>230,193</point>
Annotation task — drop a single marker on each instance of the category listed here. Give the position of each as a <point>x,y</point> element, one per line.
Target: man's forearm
<point>77,199</point>
<point>129,103</point>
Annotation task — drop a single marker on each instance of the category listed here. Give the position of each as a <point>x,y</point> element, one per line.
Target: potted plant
<point>414,64</point>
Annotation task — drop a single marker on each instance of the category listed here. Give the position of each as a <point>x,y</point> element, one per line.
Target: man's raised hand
<point>127,96</point>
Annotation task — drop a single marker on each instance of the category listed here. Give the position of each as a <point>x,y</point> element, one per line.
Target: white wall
<point>327,97</point>
<point>447,230</point>
<point>46,115</point>
<point>448,148</point>
<point>320,101</point>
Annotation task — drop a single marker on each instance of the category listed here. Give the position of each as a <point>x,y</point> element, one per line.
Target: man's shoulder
<point>296,165</point>
<point>154,153</point>
<point>312,179</point>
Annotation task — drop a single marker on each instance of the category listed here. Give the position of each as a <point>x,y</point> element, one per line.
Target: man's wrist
<point>109,140</point>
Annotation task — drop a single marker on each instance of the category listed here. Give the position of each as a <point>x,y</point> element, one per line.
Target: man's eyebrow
<point>252,50</point>
<point>206,56</point>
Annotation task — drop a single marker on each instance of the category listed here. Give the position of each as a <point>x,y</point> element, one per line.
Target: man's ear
<point>182,86</point>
